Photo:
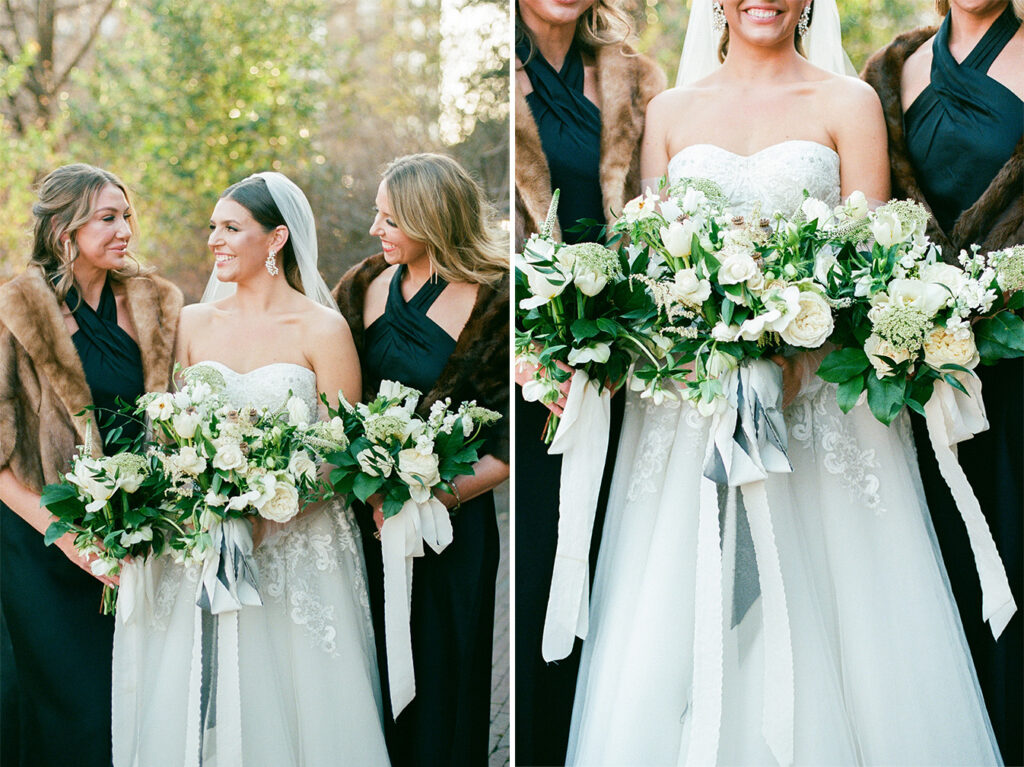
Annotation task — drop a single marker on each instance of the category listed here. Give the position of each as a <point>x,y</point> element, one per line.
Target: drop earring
<point>805,20</point>
<point>271,263</point>
<point>717,18</point>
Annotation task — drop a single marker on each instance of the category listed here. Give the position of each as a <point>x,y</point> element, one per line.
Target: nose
<point>123,230</point>
<point>376,230</point>
<point>214,239</point>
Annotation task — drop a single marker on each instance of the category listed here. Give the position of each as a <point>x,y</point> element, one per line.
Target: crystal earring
<point>271,263</point>
<point>717,18</point>
<point>805,20</point>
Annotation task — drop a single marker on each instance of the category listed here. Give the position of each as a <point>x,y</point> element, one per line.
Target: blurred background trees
<point>183,97</point>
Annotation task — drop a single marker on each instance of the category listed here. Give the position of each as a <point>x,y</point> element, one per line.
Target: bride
<point>294,681</point>
<point>880,672</point>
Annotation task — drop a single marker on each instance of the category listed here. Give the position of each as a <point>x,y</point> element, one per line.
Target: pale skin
<point>970,21</point>
<point>291,328</point>
<point>763,75</point>
<point>450,311</point>
<point>103,247</point>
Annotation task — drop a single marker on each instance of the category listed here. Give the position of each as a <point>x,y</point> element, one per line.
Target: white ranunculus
<point>816,210</point>
<point>590,281</point>
<point>301,465</point>
<point>688,288</point>
<point>375,461</point>
<point>812,325</point>
<point>888,230</point>
<point>298,411</point>
<point>597,352</point>
<point>926,297</point>
<point>189,461</point>
<point>415,467</point>
<point>186,421</point>
<point>948,275</point>
<point>876,347</point>
<point>738,265</point>
<point>229,455</point>
<point>678,237</point>
<point>543,286</point>
<point>160,407</point>
<point>942,347</point>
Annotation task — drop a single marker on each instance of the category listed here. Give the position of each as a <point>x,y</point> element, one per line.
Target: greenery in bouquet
<point>224,463</point>
<point>726,288</point>
<point>576,310</point>
<point>909,319</point>
<point>114,507</point>
<point>397,454</point>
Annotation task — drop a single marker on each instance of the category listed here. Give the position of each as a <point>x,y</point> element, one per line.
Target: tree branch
<point>85,46</point>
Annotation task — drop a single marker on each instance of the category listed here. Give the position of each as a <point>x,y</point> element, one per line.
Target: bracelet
<point>458,497</point>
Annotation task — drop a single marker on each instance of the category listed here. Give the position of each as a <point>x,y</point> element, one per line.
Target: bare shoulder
<point>1008,68</point>
<point>322,324</point>
<point>669,103</point>
<point>195,315</point>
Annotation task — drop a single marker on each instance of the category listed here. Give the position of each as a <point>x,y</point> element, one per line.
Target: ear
<point>279,237</point>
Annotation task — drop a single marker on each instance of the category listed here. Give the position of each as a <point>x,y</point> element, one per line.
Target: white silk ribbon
<point>402,537</point>
<point>136,589</point>
<point>582,441</point>
<point>746,443</point>
<point>953,417</point>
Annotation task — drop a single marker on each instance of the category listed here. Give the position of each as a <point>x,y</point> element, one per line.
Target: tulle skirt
<point>307,672</point>
<point>882,674</point>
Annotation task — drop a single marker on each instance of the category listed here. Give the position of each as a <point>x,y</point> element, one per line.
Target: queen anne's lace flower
<point>903,327</point>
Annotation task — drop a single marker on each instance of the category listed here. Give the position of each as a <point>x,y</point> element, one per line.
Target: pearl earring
<point>271,263</point>
<point>805,20</point>
<point>717,18</point>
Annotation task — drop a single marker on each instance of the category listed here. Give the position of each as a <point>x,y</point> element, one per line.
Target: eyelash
<point>230,228</point>
<point>108,219</point>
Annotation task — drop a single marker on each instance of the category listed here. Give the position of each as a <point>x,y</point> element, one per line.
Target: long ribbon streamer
<point>952,417</point>
<point>582,441</point>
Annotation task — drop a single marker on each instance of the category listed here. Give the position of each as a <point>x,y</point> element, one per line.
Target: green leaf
<point>583,329</point>
<point>848,392</point>
<point>56,529</point>
<point>999,337</point>
<point>1016,301</point>
<point>885,397</point>
<point>843,364</point>
<point>364,486</point>
<point>953,381</point>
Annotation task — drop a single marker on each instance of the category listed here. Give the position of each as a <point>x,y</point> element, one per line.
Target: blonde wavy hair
<point>603,23</point>
<point>436,202</point>
<point>942,8</point>
<point>67,198</point>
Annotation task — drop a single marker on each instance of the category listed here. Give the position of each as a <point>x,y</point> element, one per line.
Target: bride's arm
<point>861,140</point>
<point>332,355</point>
<point>654,145</point>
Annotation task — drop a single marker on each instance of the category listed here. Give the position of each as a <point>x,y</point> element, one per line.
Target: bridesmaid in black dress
<point>567,75</point>
<point>953,103</point>
<point>431,311</point>
<point>80,326</point>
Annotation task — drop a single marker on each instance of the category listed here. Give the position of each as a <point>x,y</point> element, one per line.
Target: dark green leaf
<point>885,397</point>
<point>843,364</point>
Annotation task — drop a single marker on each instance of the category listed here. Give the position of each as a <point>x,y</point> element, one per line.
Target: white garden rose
<point>876,347</point>
<point>813,325</point>
<point>596,352</point>
<point>301,465</point>
<point>926,297</point>
<point>375,461</point>
<point>282,503</point>
<point>229,454</point>
<point>738,265</point>
<point>186,421</point>
<point>161,407</point>
<point>944,347</point>
<point>688,288</point>
<point>298,411</point>
<point>415,467</point>
<point>189,461</point>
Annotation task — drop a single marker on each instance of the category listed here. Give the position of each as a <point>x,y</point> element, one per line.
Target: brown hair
<point>436,202</point>
<point>66,200</point>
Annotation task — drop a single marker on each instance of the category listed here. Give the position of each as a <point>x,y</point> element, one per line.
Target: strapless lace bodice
<point>772,180</point>
<point>268,386</point>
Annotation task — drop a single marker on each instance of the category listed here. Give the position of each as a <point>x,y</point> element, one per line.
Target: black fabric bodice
<point>964,125</point>
<point>405,345</point>
<point>569,125</point>
<point>110,358</point>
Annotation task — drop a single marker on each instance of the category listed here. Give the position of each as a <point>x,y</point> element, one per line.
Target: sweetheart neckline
<point>256,369</point>
<point>759,151</point>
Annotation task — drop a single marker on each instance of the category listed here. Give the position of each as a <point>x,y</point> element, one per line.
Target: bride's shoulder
<point>669,104</point>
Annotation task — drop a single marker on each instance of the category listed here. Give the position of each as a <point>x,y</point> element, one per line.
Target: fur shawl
<point>42,383</point>
<point>996,219</point>
<point>478,368</point>
<point>626,82</point>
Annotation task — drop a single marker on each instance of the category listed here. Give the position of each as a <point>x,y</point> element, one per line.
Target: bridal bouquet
<point>113,505</point>
<point>909,319</point>
<point>576,310</point>
<point>727,289</point>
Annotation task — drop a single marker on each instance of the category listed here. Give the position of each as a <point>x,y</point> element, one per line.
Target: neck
<point>967,27</point>
<point>262,294</point>
<point>90,281</point>
<point>418,272</point>
<point>761,64</point>
<point>552,40</point>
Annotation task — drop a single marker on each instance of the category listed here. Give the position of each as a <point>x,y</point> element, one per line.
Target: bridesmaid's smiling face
<point>537,14</point>
<point>103,240</point>
<point>239,243</point>
<point>398,247</point>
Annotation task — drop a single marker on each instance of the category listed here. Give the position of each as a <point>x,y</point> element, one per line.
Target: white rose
<point>282,505</point>
<point>186,422</point>
<point>738,266</point>
<point>943,347</point>
<point>598,352</point>
<point>816,210</point>
<point>690,289</point>
<point>298,411</point>
<point>228,456</point>
<point>888,230</point>
<point>415,467</point>
<point>875,347</point>
<point>927,297</point>
<point>161,407</point>
<point>950,276</point>
<point>375,461</point>
<point>813,325</point>
<point>300,465</point>
<point>189,461</point>
<point>678,237</point>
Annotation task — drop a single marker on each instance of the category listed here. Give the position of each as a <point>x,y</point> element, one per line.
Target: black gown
<point>569,125</point>
<point>61,643</point>
<point>452,616</point>
<point>960,132</point>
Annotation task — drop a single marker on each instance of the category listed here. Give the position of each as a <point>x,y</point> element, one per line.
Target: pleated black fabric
<point>964,126</point>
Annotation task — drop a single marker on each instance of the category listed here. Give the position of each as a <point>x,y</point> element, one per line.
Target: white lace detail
<point>772,180</point>
<point>655,445</point>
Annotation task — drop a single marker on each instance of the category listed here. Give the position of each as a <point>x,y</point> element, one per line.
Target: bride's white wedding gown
<point>307,671</point>
<point>882,674</point>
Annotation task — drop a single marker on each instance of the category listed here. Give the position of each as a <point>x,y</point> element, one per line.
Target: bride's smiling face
<point>763,22</point>
<point>239,243</point>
